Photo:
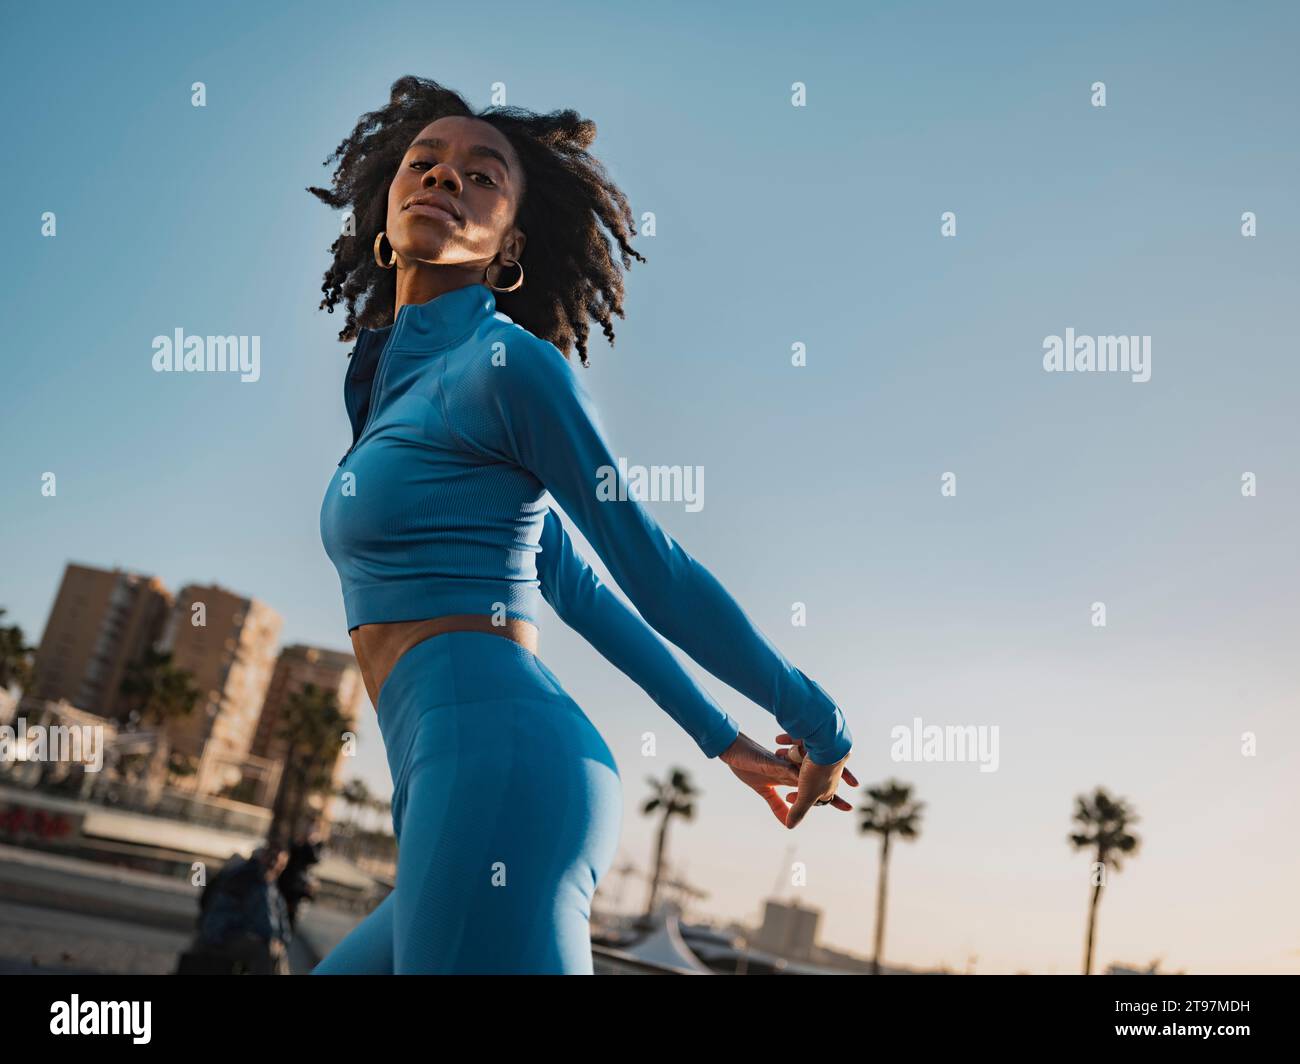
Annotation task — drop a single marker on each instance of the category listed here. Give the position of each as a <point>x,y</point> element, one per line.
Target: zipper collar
<point>443,321</point>
<point>440,323</point>
<point>365,353</point>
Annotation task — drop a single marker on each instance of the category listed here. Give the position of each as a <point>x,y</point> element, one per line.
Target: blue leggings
<point>507,806</point>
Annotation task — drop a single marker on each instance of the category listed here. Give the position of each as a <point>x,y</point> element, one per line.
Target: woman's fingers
<point>795,754</point>
<point>800,806</point>
<point>792,742</point>
<point>774,802</point>
<point>837,802</point>
<point>763,771</point>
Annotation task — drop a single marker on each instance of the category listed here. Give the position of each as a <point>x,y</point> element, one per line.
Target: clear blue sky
<point>775,224</point>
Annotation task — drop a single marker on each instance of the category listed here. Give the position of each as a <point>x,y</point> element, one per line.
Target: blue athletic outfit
<point>462,422</point>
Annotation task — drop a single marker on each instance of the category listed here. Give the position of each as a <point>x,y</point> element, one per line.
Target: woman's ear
<point>515,243</point>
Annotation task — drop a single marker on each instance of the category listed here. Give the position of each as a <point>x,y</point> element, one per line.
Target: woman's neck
<point>421,283</point>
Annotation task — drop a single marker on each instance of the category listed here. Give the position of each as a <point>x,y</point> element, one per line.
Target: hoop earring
<point>392,259</point>
<point>517,284</point>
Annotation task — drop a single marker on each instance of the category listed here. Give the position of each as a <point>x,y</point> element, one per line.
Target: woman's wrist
<point>721,739</point>
<point>831,743</point>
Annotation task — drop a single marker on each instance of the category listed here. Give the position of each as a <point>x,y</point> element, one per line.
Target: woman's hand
<point>816,783</point>
<point>763,771</point>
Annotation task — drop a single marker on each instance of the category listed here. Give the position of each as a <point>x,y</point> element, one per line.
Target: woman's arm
<point>591,609</point>
<point>529,408</point>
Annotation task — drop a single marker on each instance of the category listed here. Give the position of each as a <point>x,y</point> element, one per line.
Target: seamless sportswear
<point>462,422</point>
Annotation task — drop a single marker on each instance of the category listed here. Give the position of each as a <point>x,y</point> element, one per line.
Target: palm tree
<point>891,811</point>
<point>1105,822</point>
<point>310,726</point>
<point>157,690</point>
<point>355,795</point>
<point>671,797</point>
<point>15,657</point>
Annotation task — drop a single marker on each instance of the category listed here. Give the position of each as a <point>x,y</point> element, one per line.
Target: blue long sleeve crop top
<point>462,421</point>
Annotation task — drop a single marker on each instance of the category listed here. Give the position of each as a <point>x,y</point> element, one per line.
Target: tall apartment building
<point>102,621</point>
<point>228,642</point>
<point>297,666</point>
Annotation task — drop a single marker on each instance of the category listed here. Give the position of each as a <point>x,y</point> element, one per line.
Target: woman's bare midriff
<point>378,646</point>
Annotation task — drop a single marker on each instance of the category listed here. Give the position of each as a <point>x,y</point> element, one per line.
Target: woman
<point>478,260</point>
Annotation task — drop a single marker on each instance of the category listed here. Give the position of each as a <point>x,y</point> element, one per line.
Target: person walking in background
<point>243,917</point>
<point>296,882</point>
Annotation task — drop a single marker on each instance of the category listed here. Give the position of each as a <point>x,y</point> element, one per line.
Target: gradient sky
<point>776,224</point>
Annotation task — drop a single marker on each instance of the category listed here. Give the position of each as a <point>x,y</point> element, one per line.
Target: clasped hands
<point>764,771</point>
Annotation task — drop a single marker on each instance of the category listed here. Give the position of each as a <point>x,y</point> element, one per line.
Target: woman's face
<point>471,182</point>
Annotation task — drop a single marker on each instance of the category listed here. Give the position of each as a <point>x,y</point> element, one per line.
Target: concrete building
<point>788,929</point>
<point>297,666</point>
<point>227,641</point>
<point>102,621</point>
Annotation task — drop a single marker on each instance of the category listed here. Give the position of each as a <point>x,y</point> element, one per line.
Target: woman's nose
<point>441,174</point>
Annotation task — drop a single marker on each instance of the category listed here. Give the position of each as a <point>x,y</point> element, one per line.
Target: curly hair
<point>567,199</point>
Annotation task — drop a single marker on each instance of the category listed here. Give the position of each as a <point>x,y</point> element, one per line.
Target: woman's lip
<point>430,211</point>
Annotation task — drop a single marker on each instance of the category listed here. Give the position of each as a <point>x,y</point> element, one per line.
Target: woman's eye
<point>480,177</point>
